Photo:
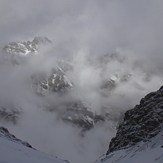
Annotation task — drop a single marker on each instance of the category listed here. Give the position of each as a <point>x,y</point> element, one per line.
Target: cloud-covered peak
<point>25,48</point>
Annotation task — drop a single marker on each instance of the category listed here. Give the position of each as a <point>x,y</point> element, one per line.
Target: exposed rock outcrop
<point>141,123</point>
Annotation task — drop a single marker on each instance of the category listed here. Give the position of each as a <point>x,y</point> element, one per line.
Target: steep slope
<point>4,133</point>
<point>140,133</point>
<point>143,152</point>
<point>13,150</point>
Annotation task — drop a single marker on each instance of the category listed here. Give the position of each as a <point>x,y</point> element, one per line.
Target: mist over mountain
<point>77,103</point>
<point>69,70</point>
<point>25,48</point>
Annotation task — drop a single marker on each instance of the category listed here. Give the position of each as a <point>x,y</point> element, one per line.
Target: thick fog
<point>80,31</point>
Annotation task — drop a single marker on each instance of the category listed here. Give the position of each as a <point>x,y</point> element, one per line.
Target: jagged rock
<point>141,123</point>
<point>26,47</point>
<point>149,151</point>
<point>58,81</point>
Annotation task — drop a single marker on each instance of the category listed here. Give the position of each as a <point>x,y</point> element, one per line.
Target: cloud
<point>80,30</point>
<point>100,26</point>
<point>44,130</point>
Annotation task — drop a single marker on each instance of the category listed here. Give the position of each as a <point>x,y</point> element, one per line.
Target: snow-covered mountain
<point>24,48</point>
<point>140,137</point>
<point>4,133</point>
<point>13,150</point>
<point>79,102</point>
<point>57,80</point>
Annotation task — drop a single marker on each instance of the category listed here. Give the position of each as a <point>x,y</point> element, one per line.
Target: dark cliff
<point>141,123</point>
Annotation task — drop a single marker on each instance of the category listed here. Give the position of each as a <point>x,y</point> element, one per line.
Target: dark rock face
<point>141,123</point>
<point>5,134</point>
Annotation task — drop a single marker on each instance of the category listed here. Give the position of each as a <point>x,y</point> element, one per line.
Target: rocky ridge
<point>24,48</point>
<point>140,134</point>
<point>4,133</point>
<point>57,81</point>
<point>13,150</point>
<point>141,123</point>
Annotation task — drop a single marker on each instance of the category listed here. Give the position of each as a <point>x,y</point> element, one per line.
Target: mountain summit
<point>25,48</point>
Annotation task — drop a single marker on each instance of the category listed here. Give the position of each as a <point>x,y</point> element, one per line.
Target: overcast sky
<point>90,27</point>
<point>99,26</point>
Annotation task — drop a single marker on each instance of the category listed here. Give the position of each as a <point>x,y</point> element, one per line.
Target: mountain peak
<point>141,123</point>
<point>41,40</point>
<point>24,48</point>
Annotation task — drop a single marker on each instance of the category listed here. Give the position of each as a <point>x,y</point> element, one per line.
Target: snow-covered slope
<point>140,136</point>
<point>4,133</point>
<point>13,150</point>
<point>143,152</point>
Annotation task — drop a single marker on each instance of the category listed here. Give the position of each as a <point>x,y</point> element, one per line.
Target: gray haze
<point>80,29</point>
<point>98,26</point>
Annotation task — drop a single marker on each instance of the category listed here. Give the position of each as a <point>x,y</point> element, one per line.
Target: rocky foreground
<point>140,135</point>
